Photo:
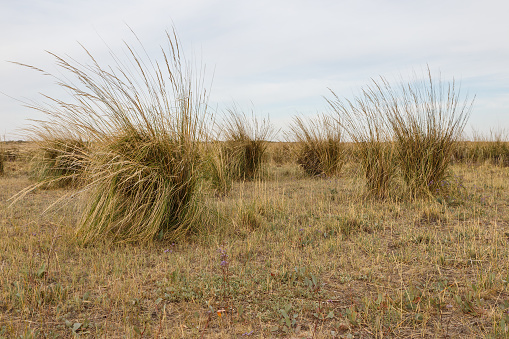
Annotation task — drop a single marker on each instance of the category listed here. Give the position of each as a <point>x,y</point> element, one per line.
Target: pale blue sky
<point>278,57</point>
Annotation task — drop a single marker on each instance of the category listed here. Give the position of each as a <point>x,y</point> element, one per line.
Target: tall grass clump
<point>427,118</point>
<point>320,150</point>
<point>245,144</point>
<point>2,160</point>
<point>423,120</point>
<point>145,120</point>
<point>367,127</point>
<point>60,162</point>
<point>218,169</point>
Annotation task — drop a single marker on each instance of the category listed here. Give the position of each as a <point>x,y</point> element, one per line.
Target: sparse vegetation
<point>289,255</point>
<point>281,254</point>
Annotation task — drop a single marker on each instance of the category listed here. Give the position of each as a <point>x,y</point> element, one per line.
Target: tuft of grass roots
<point>320,150</point>
<point>145,119</point>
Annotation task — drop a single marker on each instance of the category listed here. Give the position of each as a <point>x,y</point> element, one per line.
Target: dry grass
<point>302,257</point>
<point>60,162</point>
<point>2,161</point>
<point>493,148</point>
<point>145,120</point>
<point>410,131</point>
<point>367,126</point>
<point>246,141</point>
<point>320,150</point>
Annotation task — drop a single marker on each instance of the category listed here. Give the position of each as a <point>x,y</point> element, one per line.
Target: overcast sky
<point>277,57</point>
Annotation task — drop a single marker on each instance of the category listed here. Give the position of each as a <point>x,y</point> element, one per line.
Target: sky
<point>277,58</point>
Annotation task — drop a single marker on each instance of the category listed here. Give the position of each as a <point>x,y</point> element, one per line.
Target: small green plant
<point>288,320</point>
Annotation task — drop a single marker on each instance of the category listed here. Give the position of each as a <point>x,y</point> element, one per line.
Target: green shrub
<point>320,150</point>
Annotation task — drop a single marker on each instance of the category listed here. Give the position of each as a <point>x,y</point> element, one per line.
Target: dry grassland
<point>286,256</point>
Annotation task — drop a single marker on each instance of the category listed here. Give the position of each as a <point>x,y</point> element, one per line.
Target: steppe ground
<point>286,256</point>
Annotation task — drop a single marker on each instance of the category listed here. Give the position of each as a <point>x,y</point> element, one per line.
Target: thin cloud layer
<point>276,56</point>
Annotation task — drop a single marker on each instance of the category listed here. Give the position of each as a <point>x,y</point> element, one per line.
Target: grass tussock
<point>60,162</point>
<point>493,148</point>
<point>320,150</point>
<point>245,145</point>
<point>367,127</point>
<point>2,161</point>
<point>427,118</point>
<point>409,131</point>
<point>145,120</point>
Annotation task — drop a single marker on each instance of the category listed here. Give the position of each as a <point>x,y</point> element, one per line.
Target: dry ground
<point>287,256</point>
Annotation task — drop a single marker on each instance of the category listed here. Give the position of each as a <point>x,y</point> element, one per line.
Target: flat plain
<point>285,255</point>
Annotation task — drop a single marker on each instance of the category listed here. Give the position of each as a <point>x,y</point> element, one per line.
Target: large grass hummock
<point>60,162</point>
<point>410,130</point>
<point>145,120</point>
<point>320,150</point>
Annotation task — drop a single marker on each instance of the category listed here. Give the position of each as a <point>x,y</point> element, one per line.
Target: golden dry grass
<point>302,257</point>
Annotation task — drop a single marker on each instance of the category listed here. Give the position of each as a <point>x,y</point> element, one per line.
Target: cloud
<point>281,56</point>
